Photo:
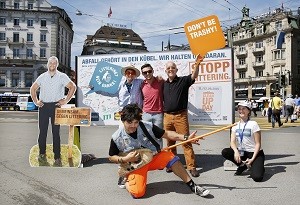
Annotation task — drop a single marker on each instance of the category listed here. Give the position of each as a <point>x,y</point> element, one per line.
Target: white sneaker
<point>121,182</point>
<point>200,191</point>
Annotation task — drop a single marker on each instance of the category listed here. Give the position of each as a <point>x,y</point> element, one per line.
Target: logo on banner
<point>106,78</point>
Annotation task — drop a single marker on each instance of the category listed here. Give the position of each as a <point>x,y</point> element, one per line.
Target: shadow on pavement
<point>165,187</point>
<point>209,162</point>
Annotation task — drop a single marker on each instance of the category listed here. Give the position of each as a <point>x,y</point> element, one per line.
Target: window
<point>29,52</point>
<point>259,30</point>
<point>16,53</point>
<point>242,48</point>
<point>2,36</point>
<point>43,23</point>
<point>42,37</point>
<point>242,61</point>
<point>2,21</point>
<point>2,5</point>
<point>16,37</point>
<point>30,6</point>
<point>278,54</point>
<point>2,78</point>
<point>2,52</point>
<point>29,37</point>
<point>43,52</point>
<point>242,74</point>
<point>16,5</point>
<point>28,79</point>
<point>29,22</point>
<point>15,80</point>
<point>259,73</point>
<point>16,21</point>
<point>259,44</point>
<point>278,25</point>
<point>259,58</point>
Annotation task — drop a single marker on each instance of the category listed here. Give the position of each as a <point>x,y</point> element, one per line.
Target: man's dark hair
<point>131,112</point>
<point>146,65</point>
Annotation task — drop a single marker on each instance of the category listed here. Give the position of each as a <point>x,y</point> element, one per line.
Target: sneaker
<point>121,182</point>
<point>200,190</point>
<point>240,170</point>
<point>42,159</point>
<point>169,170</point>
<point>57,163</point>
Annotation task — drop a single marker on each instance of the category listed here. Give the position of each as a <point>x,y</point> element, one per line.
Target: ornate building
<point>30,32</point>
<point>110,40</point>
<point>266,54</point>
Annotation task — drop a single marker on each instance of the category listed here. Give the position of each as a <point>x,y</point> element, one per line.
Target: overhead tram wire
<point>104,17</point>
<point>188,6</point>
<point>233,6</point>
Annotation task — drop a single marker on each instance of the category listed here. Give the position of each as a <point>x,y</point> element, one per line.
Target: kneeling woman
<point>245,145</point>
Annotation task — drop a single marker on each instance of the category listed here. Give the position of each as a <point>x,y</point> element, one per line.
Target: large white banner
<point>210,98</point>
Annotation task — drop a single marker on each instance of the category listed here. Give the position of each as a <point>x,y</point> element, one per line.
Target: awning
<point>259,88</point>
<point>240,89</point>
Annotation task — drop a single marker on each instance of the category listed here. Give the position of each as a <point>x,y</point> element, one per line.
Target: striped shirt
<point>52,89</point>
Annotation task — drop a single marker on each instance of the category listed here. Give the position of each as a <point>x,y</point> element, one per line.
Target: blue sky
<point>157,20</point>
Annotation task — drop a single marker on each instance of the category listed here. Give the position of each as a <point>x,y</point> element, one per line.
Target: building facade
<point>110,40</point>
<point>30,32</point>
<point>266,54</point>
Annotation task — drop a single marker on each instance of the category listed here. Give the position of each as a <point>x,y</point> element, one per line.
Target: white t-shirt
<point>246,130</point>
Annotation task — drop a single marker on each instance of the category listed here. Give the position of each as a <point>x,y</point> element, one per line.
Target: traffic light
<point>282,80</point>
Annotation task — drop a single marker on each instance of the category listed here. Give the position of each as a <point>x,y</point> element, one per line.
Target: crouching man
<point>126,149</point>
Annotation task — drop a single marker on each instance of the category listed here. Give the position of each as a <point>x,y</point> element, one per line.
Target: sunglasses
<point>147,72</point>
<point>130,72</point>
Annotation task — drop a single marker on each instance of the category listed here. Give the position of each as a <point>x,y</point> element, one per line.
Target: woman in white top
<point>245,145</point>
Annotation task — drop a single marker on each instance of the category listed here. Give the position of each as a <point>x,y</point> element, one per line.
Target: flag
<point>109,12</point>
<point>279,39</point>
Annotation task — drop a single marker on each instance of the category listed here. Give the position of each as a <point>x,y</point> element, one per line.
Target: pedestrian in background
<point>176,90</point>
<point>254,106</point>
<point>245,145</point>
<point>276,105</point>
<point>289,108</point>
<point>52,86</point>
<point>297,106</point>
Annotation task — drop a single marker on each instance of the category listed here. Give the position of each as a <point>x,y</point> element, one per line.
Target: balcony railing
<point>241,53</point>
<point>241,67</point>
<point>258,64</point>
<point>19,57</point>
<point>259,50</point>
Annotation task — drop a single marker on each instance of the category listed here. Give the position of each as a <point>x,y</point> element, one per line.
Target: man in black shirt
<point>176,91</point>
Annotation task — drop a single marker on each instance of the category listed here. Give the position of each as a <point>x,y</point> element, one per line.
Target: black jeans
<point>257,167</point>
<point>46,112</point>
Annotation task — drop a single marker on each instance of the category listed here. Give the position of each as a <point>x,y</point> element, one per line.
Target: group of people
<point>289,108</point>
<point>162,102</point>
<point>151,109</point>
<point>164,115</point>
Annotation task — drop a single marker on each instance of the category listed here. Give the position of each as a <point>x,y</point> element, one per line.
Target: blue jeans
<point>157,119</point>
